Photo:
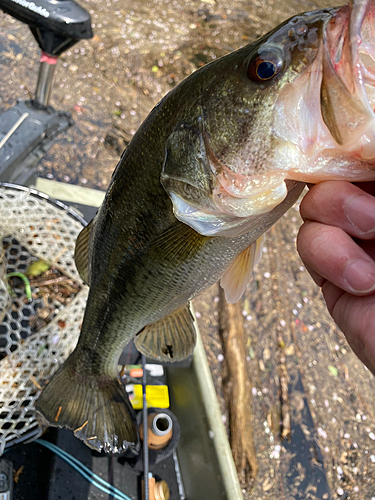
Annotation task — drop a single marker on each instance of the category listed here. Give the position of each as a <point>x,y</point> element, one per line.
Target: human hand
<point>337,245</point>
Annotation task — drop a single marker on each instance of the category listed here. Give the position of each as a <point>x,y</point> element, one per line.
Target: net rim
<point>53,201</point>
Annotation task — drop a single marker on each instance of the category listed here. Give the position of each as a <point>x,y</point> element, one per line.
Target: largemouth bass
<point>214,165</point>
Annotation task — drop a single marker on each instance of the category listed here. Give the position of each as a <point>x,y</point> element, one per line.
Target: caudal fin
<point>97,410</point>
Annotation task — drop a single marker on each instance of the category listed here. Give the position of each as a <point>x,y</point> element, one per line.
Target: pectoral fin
<point>170,339</point>
<point>81,252</point>
<point>238,275</point>
<point>176,245</point>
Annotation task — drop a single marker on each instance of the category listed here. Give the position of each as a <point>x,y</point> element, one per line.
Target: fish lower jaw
<point>367,143</point>
<point>358,165</point>
<point>244,196</point>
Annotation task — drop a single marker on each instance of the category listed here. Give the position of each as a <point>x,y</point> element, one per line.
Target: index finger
<point>330,253</point>
<point>341,204</point>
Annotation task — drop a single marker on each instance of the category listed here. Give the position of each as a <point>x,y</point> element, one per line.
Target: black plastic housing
<point>56,24</point>
<point>30,141</point>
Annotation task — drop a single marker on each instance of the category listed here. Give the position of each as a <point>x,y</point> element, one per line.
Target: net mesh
<point>32,226</point>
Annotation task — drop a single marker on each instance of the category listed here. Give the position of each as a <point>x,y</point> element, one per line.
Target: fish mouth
<point>347,95</point>
<point>324,121</point>
<point>323,125</point>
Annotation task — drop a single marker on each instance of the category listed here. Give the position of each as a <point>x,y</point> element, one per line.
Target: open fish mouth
<point>324,121</point>
<point>316,120</point>
<point>348,78</point>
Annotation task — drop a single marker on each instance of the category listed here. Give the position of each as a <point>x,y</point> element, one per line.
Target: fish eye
<point>264,67</point>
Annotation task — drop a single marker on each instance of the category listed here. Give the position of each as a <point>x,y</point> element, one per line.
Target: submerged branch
<point>237,389</point>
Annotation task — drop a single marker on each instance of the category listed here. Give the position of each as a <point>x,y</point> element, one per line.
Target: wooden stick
<point>237,389</point>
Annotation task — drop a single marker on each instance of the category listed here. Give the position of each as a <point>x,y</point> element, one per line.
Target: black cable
<point>145,430</point>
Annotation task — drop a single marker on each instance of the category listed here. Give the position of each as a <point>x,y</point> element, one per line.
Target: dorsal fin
<point>81,252</point>
<point>238,275</point>
<point>169,339</point>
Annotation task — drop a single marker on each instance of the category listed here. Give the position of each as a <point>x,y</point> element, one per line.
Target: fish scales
<point>214,165</point>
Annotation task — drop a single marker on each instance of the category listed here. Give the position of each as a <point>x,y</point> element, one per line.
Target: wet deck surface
<point>139,52</point>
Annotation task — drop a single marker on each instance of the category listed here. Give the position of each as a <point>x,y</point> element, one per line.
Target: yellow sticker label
<point>157,396</point>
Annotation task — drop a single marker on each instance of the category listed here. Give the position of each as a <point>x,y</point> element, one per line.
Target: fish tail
<point>97,409</point>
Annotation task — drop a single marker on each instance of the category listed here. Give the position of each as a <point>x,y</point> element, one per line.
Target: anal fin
<point>238,275</point>
<point>170,339</point>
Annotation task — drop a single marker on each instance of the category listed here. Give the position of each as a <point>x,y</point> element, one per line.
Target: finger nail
<point>360,275</point>
<point>360,212</point>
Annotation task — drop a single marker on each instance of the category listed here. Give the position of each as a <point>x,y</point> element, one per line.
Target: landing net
<point>33,227</point>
